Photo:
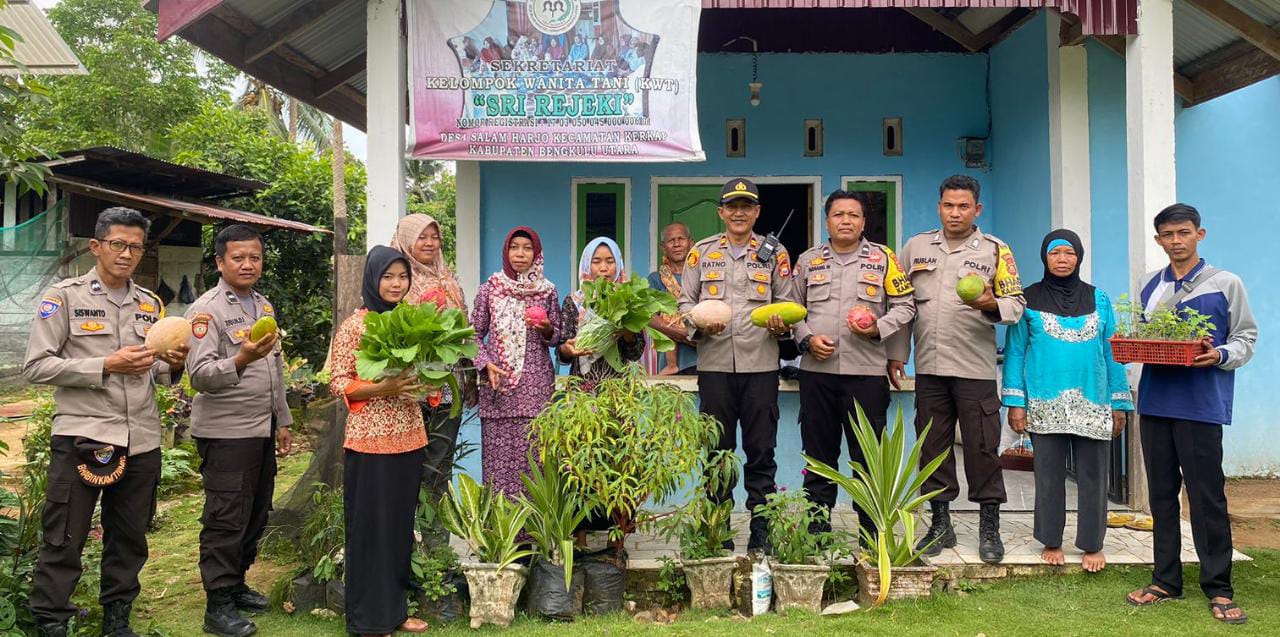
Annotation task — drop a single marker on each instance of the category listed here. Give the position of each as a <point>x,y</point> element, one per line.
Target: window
<point>884,195</point>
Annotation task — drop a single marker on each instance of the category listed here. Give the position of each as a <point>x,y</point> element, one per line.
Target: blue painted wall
<point>1108,171</point>
<point>1228,154</point>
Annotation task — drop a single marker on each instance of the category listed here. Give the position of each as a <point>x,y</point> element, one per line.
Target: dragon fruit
<point>861,316</point>
<point>535,314</point>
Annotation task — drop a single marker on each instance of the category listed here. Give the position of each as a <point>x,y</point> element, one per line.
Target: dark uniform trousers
<point>239,480</point>
<point>437,471</point>
<point>943,400</point>
<point>752,400</point>
<point>1185,451</point>
<point>127,507</point>
<point>826,407</point>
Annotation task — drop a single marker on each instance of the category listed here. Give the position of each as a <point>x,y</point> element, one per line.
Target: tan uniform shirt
<point>231,404</point>
<point>831,284</point>
<point>951,338</point>
<point>76,328</point>
<point>712,272</point>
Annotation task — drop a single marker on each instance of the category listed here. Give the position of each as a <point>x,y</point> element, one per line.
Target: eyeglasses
<point>117,246</point>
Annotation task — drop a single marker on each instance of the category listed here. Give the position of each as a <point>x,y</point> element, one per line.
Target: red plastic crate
<point>1132,350</point>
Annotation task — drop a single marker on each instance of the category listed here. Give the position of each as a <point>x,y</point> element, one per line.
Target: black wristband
<point>803,345</point>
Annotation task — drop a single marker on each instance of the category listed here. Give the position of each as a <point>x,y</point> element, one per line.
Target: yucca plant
<point>488,521</point>
<point>555,511</point>
<point>887,486</point>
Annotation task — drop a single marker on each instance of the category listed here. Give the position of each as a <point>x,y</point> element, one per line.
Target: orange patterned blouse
<point>383,424</point>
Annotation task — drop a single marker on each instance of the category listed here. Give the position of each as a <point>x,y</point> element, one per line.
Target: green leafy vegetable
<point>625,306</point>
<point>1162,323</point>
<point>423,337</point>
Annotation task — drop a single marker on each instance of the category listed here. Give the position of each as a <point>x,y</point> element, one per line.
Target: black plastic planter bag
<point>450,607</point>
<point>547,594</point>
<point>605,581</point>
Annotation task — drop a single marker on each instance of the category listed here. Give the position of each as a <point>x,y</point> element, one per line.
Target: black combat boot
<point>52,629</point>
<point>990,547</point>
<point>248,600</point>
<point>759,540</point>
<point>221,617</point>
<point>940,529</point>
<point>115,620</point>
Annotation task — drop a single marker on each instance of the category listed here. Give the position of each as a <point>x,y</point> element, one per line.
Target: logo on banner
<point>554,17</point>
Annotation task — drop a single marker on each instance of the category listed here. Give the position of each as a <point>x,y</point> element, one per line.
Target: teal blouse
<point>1061,370</point>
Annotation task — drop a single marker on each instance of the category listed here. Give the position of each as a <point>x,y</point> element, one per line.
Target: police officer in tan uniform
<point>87,341</point>
<point>956,358</point>
<point>239,419</point>
<point>738,362</point>
<point>844,363</point>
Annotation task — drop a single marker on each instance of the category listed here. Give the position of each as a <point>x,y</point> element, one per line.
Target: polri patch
<point>49,306</point>
<point>200,324</point>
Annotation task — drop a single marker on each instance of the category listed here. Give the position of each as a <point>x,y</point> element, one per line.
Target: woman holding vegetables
<point>601,259</point>
<point>384,452</point>
<point>517,320</point>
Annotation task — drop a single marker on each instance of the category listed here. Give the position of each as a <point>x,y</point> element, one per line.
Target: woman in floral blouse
<point>1062,385</point>
<point>384,451</point>
<point>517,320</point>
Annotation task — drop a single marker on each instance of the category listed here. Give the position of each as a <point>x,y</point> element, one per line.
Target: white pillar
<point>1069,140</point>
<point>467,227</point>
<point>385,120</point>
<point>10,212</point>
<point>1149,107</point>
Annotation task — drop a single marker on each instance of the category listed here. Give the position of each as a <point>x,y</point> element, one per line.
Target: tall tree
<point>18,93</point>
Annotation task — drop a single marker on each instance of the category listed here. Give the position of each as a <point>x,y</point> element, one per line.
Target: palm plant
<point>488,521</point>
<point>887,486</point>
<point>304,120</point>
<point>555,511</point>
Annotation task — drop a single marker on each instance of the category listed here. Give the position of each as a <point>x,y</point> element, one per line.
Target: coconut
<point>710,311</point>
<point>168,334</point>
<point>970,287</point>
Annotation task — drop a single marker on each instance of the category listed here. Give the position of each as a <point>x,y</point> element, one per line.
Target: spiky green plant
<point>555,511</point>
<point>488,521</point>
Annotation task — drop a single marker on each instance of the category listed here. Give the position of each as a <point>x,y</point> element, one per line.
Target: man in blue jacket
<point>1183,410</point>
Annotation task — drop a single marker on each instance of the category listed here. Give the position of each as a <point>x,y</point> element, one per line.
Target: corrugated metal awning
<point>1098,17</point>
<point>199,212</point>
<point>41,49</point>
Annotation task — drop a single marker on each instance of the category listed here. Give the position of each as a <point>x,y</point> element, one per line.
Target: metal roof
<point>1197,35</point>
<point>119,167</point>
<point>41,49</point>
<point>1098,17</point>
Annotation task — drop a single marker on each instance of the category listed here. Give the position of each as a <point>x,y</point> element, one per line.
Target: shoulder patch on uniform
<point>692,261</point>
<point>784,262</point>
<point>1007,282</point>
<point>896,282</point>
<point>49,306</point>
<point>200,324</point>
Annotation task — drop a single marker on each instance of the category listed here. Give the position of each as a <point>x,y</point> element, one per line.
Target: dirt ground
<point>1254,505</point>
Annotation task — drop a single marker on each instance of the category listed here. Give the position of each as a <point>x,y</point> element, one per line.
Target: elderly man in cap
<point>737,361</point>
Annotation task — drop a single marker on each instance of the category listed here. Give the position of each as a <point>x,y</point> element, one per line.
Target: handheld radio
<point>770,245</point>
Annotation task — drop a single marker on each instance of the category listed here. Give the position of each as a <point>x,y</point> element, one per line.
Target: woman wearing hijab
<point>382,463</point>
<point>517,320</point>
<point>1062,385</point>
<point>601,259</point>
<point>418,237</point>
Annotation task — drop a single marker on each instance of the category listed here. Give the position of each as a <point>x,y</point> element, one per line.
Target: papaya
<point>265,325</point>
<point>168,334</point>
<point>710,311</point>
<point>791,313</point>
<point>970,287</point>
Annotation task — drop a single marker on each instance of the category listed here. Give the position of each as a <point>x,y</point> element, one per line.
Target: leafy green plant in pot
<point>702,527</point>
<point>887,486</point>
<point>625,443</point>
<point>801,557</point>
<point>555,511</point>
<point>490,523</point>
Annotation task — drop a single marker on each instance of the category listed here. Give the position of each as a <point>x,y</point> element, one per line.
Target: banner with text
<point>554,80</point>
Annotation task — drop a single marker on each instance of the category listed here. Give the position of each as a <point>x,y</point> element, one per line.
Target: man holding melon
<point>91,339</point>
<point>239,418</point>
<point>738,345</point>
<point>857,297</point>
<point>966,282</point>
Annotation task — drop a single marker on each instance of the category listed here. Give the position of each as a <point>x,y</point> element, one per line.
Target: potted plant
<point>801,556</point>
<point>702,528</point>
<point>489,522</point>
<point>621,445</point>
<point>555,511</point>
<point>887,487</point>
<point>1163,336</point>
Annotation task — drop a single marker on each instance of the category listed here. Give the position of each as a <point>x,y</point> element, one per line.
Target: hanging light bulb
<point>755,84</point>
<point>755,92</point>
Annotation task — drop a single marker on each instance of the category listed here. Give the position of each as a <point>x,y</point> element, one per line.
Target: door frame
<point>813,181</point>
<point>895,241</point>
<point>573,220</point>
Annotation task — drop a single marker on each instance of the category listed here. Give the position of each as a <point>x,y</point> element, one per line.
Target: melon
<point>168,334</point>
<point>535,314</point>
<point>264,326</point>
<point>791,313</point>
<point>970,287</point>
<point>862,316</point>
<point>710,311</point>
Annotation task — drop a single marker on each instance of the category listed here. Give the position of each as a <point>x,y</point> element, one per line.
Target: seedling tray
<point>1132,350</point>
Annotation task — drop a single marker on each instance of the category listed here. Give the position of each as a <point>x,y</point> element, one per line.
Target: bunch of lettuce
<point>625,306</point>
<point>425,338</point>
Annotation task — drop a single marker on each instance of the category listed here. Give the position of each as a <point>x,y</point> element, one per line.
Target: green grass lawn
<point>1076,604</point>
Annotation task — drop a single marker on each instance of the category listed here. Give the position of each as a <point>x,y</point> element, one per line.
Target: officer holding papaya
<point>240,419</point>
<point>738,361</point>
<point>87,340</point>
<point>858,297</point>
<point>955,341</point>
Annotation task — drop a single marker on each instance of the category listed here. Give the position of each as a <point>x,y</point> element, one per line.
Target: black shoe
<point>990,547</point>
<point>115,620</point>
<point>221,617</point>
<point>250,601</point>
<point>52,629</point>
<point>941,534</point>
<point>759,540</point>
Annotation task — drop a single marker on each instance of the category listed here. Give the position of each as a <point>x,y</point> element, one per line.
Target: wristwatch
<point>803,345</point>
